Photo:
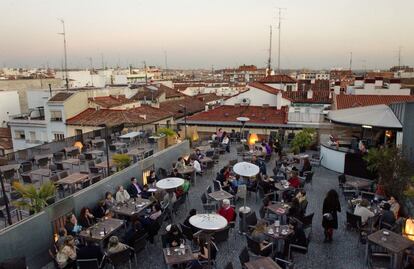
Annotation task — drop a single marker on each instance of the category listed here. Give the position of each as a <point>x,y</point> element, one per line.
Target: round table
<point>246,169</point>
<point>170,183</point>
<point>208,222</point>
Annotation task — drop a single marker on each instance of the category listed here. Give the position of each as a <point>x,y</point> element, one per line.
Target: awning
<point>375,116</point>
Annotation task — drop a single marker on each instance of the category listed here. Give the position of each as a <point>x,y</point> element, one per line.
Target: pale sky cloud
<point>202,33</point>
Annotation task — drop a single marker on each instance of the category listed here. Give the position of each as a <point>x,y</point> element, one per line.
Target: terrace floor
<point>344,252</point>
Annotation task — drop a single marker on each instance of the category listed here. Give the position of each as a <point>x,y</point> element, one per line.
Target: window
<point>146,173</point>
<point>19,134</point>
<point>32,136</point>
<point>2,153</point>
<point>289,87</point>
<point>59,137</point>
<point>56,115</point>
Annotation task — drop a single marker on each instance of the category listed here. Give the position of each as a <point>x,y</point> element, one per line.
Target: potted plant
<point>169,134</point>
<point>121,161</point>
<point>34,199</point>
<point>392,168</point>
<point>302,140</point>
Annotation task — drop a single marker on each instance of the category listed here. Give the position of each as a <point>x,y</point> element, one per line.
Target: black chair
<point>229,266</point>
<point>112,148</point>
<point>95,178</point>
<point>254,247</point>
<point>88,264</point>
<point>244,257</point>
<point>164,243</point>
<point>206,205</point>
<point>14,263</point>
<point>216,185</point>
<point>303,249</point>
<point>187,232</point>
<point>117,260</point>
<point>43,162</point>
<point>58,156</point>
<point>63,174</point>
<point>13,210</point>
<point>251,219</point>
<point>308,177</point>
<point>94,170</point>
<point>353,222</point>
<point>27,178</point>
<point>209,189</point>
<point>25,167</point>
<point>307,221</point>
<point>222,235</point>
<point>59,166</point>
<point>9,174</point>
<point>367,195</point>
<point>140,243</point>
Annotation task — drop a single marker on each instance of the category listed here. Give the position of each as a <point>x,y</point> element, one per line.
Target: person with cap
<point>227,211</point>
<point>114,246</point>
<point>362,210</point>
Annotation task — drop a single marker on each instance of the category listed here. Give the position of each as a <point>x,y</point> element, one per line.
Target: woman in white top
<point>196,165</point>
<point>362,210</point>
<point>122,195</point>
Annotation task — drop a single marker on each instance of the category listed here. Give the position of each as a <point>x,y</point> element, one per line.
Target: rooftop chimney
<point>337,87</point>
<point>378,81</point>
<point>359,81</point>
<point>279,100</point>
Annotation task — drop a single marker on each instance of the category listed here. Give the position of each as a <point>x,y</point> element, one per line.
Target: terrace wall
<point>33,236</point>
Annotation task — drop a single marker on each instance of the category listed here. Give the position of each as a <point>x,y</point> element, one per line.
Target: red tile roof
<point>319,97</point>
<point>6,141</point>
<point>146,93</point>
<point>192,104</point>
<point>256,114</point>
<point>60,97</point>
<point>110,101</point>
<point>264,87</point>
<point>277,79</point>
<point>347,101</point>
<point>135,116</point>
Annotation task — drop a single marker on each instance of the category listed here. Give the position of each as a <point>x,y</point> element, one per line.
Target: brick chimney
<point>279,100</point>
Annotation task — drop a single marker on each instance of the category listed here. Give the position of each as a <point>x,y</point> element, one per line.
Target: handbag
<point>328,216</point>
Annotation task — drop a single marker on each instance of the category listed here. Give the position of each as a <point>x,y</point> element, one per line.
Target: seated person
<point>387,218</point>
<point>174,173</point>
<point>294,180</point>
<point>60,241</point>
<point>295,210</point>
<point>174,237</point>
<point>307,167</point>
<point>227,211</point>
<point>395,206</point>
<point>109,200</point>
<point>145,194</point>
<point>114,246</point>
<point>149,222</point>
<point>261,164</point>
<point>263,209</point>
<point>86,219</point>
<point>204,254</point>
<point>152,178</point>
<point>100,210</point>
<point>122,195</point>
<point>362,210</point>
<point>180,164</point>
<point>266,184</point>
<point>187,223</point>
<point>71,225</point>
<point>225,142</point>
<point>236,182</point>
<point>198,154</point>
<point>134,189</point>
<point>259,235</point>
<point>196,165</point>
<point>303,201</point>
<point>66,256</point>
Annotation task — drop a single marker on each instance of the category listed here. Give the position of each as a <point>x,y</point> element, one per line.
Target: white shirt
<point>225,140</point>
<point>122,197</point>
<point>197,166</point>
<point>364,212</point>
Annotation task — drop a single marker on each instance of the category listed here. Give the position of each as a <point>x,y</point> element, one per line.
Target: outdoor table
<point>204,148</point>
<point>9,167</point>
<point>96,152</point>
<point>358,183</point>
<point>208,222</point>
<point>178,255</point>
<point>73,179</point>
<point>70,149</point>
<point>284,232</point>
<point>220,195</point>
<point>246,169</point>
<point>102,230</point>
<point>42,156</point>
<point>72,162</point>
<point>97,141</point>
<point>392,242</point>
<point>42,172</point>
<point>104,165</point>
<point>169,183</point>
<point>136,152</point>
<point>279,208</point>
<point>132,207</point>
<point>205,160</point>
<point>118,145</point>
<point>262,262</point>
<point>131,135</point>
<point>187,170</point>
<point>283,187</point>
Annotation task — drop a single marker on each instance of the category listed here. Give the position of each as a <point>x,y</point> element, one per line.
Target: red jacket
<point>227,213</point>
<point>294,182</point>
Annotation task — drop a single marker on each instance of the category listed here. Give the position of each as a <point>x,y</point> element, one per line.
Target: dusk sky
<point>202,33</point>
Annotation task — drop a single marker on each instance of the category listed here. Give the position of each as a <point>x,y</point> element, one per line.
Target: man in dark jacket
<point>134,189</point>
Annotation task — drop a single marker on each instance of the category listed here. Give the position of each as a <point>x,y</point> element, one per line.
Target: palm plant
<point>121,161</point>
<point>302,140</point>
<point>34,199</point>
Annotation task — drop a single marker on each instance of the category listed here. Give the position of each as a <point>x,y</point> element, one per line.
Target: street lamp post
<point>107,148</point>
<point>6,202</point>
<point>185,119</point>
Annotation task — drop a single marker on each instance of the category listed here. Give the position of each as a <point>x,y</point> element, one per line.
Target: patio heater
<point>6,201</point>
<point>243,121</point>
<point>107,148</point>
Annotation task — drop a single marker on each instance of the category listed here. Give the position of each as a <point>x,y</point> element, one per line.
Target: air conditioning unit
<point>245,101</point>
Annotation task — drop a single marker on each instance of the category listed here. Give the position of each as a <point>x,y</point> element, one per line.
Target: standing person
<point>219,134</point>
<point>152,178</point>
<point>330,208</point>
<point>225,142</point>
